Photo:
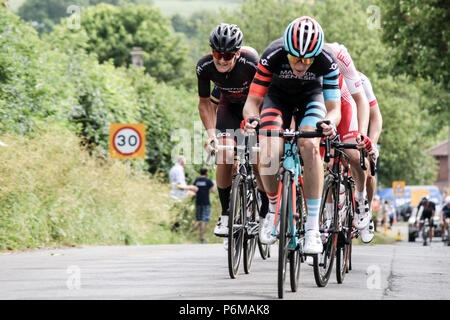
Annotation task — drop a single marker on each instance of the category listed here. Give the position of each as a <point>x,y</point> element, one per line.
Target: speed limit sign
<point>127,141</point>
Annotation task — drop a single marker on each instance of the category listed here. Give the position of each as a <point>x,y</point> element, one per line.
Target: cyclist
<point>445,217</point>
<point>428,212</point>
<point>374,131</point>
<point>353,128</point>
<point>289,83</point>
<point>231,68</point>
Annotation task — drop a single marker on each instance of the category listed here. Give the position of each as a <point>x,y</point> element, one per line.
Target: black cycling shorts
<point>229,118</point>
<point>308,109</point>
<point>427,215</point>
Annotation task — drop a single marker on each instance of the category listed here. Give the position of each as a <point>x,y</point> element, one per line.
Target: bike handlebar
<point>342,145</point>
<point>236,148</point>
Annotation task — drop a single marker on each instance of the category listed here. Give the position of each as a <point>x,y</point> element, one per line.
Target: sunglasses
<point>295,59</point>
<point>225,56</point>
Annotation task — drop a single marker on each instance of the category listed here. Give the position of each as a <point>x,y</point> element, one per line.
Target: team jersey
<point>368,90</point>
<point>346,66</point>
<point>233,85</point>
<point>275,73</point>
<point>354,80</point>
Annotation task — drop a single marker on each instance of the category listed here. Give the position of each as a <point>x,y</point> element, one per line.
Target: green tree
<point>113,31</point>
<point>407,130</point>
<point>32,86</point>
<point>44,14</point>
<point>419,32</point>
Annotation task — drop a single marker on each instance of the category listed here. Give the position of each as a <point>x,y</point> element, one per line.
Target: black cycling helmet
<point>226,38</point>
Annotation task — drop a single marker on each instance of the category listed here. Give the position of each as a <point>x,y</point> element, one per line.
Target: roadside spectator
<point>384,210</point>
<point>375,210</point>
<point>177,179</point>
<point>392,215</point>
<point>203,205</point>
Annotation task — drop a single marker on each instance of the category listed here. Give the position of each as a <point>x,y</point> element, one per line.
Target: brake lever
<point>362,158</point>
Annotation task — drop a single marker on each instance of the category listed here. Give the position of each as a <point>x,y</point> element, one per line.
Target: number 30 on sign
<point>127,141</point>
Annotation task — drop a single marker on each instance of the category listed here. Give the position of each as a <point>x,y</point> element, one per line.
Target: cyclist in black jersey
<point>295,77</point>
<point>231,68</point>
<point>428,212</point>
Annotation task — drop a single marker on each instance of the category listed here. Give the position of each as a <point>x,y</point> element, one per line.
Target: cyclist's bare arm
<point>362,105</point>
<point>208,115</point>
<point>333,114</point>
<point>376,124</point>
<point>251,108</point>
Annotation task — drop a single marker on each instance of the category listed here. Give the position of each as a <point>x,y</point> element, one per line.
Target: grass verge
<point>53,193</point>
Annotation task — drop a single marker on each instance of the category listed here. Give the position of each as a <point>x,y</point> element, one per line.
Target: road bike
<point>291,209</point>
<point>337,229</point>
<point>243,224</point>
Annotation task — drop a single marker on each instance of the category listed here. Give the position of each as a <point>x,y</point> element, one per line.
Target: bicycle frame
<point>290,162</point>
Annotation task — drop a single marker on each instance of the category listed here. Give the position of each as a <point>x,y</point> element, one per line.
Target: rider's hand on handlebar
<point>329,129</point>
<point>364,142</point>
<point>250,124</point>
<point>211,144</point>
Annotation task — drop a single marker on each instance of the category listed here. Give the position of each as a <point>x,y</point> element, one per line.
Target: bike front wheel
<point>251,234</point>
<point>236,226</point>
<point>323,262</point>
<point>284,236</point>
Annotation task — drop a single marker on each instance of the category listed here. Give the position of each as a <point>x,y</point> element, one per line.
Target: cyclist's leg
<point>273,117</point>
<point>348,130</point>
<point>205,219</point>
<point>227,123</point>
<point>255,161</point>
<point>313,111</point>
<point>431,229</point>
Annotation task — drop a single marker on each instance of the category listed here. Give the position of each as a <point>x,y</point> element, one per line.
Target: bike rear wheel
<point>283,216</point>
<point>264,249</point>
<point>236,223</point>
<point>323,262</point>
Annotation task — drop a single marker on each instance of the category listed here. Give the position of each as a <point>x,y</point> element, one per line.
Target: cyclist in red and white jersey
<point>356,94</point>
<point>353,127</point>
<point>374,131</point>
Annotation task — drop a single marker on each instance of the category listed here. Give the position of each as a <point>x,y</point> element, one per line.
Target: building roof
<point>440,149</point>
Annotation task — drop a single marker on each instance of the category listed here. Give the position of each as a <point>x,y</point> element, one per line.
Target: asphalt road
<point>199,272</point>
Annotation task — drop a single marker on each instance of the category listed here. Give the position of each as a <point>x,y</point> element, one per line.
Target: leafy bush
<point>32,86</point>
<point>113,31</point>
<point>44,14</point>
<point>53,193</point>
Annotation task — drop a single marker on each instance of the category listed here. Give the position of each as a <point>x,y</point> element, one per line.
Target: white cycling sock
<point>359,196</point>
<point>312,221</point>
